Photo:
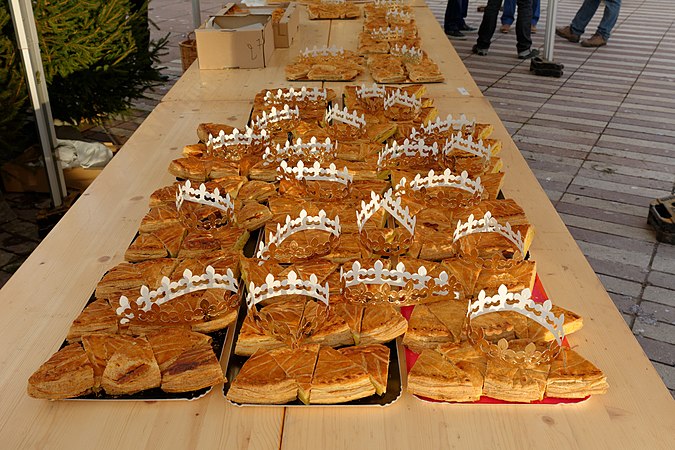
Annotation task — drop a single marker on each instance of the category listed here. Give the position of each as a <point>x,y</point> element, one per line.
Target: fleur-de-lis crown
<point>322,51</point>
<point>292,95</point>
<point>186,192</point>
<point>343,115</point>
<point>444,179</point>
<point>292,284</point>
<point>312,150</point>
<point>488,224</point>
<point>468,145</point>
<point>391,203</point>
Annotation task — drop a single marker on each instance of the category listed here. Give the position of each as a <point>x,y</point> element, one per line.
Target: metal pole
<point>196,13</point>
<point>26,36</point>
<point>549,38</point>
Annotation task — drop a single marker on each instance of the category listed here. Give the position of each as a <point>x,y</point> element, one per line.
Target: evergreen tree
<point>97,58</point>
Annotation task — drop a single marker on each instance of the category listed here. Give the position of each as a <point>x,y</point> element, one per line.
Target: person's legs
<point>583,16</point>
<point>509,13</point>
<point>465,11</point>
<point>536,12</point>
<point>453,16</point>
<point>523,24</point>
<point>609,17</point>
<point>488,24</point>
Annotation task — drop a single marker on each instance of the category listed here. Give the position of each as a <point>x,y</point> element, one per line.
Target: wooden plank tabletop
<point>40,301</point>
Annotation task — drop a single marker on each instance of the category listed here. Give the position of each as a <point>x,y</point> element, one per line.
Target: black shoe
<point>455,34</point>
<point>527,54</point>
<point>468,28</point>
<point>479,51</point>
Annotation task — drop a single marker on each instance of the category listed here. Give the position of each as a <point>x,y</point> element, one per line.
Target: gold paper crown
<point>413,154</point>
<point>163,305</point>
<point>309,151</point>
<point>403,287</point>
<point>488,224</point>
<point>386,241</point>
<point>448,197</point>
<point>336,183</point>
<point>302,223</point>
<point>237,144</point>
<point>186,192</point>
<point>523,304</point>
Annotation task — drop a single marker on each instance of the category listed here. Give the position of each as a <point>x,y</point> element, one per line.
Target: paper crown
<point>336,183</point>
<point>237,144</point>
<point>408,288</point>
<point>322,51</point>
<point>291,96</point>
<point>275,117</point>
<point>410,153</point>
<point>373,91</point>
<point>163,305</point>
<point>185,192</point>
<point>442,128</point>
<point>402,98</point>
<point>488,224</point>
<point>353,119</point>
<point>523,304</point>
<point>419,186</point>
<point>334,2</point>
<point>389,2</point>
<point>291,285</point>
<point>386,241</point>
<point>302,223</point>
<point>395,15</point>
<point>387,34</point>
<point>408,53</point>
<point>309,151</point>
<point>468,145</point>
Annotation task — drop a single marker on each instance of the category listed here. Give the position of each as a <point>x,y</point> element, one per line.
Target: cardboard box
<point>287,28</point>
<point>245,42</point>
<point>26,173</point>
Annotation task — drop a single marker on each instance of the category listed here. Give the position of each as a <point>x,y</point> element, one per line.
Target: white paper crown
<point>322,51</point>
<point>410,149</point>
<point>291,95</point>
<point>399,97</point>
<point>315,172</point>
<point>468,145</point>
<point>440,126</point>
<point>249,137</point>
<point>398,16</point>
<point>169,290</point>
<point>488,224</point>
<point>387,34</point>
<point>343,115</point>
<point>521,303</point>
<point>390,2</point>
<point>392,204</point>
<point>407,52</point>
<point>397,277</point>
<point>445,179</point>
<point>186,192</point>
<point>301,223</point>
<point>334,2</point>
<point>291,285</point>
<point>374,91</point>
<point>276,115</point>
<point>313,150</point>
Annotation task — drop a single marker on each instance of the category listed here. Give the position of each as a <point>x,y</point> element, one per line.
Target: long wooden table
<point>40,301</point>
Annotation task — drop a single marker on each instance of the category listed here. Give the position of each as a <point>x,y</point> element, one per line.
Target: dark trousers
<point>523,21</point>
<point>455,13</point>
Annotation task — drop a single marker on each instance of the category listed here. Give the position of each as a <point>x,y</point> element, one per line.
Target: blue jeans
<point>509,13</point>
<point>587,11</point>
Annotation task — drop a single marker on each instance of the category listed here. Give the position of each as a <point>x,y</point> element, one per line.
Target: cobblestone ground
<point>600,140</point>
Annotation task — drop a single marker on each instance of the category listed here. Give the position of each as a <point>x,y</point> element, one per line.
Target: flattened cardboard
<point>245,42</point>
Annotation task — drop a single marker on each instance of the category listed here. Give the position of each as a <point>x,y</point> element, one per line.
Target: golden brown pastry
<point>99,349</point>
<point>337,379</point>
<point>66,374</point>
<point>381,323</point>
<point>132,368</point>
<point>298,364</point>
<point>435,377</point>
<point>97,317</point>
<point>195,368</point>
<point>374,359</point>
<point>127,279</point>
<point>262,380</point>
<point>573,376</point>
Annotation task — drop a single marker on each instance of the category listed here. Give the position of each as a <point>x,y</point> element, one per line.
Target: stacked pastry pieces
<point>333,9</point>
<point>393,48</point>
<point>326,63</point>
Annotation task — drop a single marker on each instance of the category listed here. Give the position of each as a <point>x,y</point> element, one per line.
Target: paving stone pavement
<point>599,139</point>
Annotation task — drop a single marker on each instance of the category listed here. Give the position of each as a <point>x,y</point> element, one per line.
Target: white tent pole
<point>196,13</point>
<point>549,38</point>
<point>26,36</point>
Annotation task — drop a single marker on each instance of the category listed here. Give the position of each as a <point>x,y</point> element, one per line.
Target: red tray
<point>539,296</point>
